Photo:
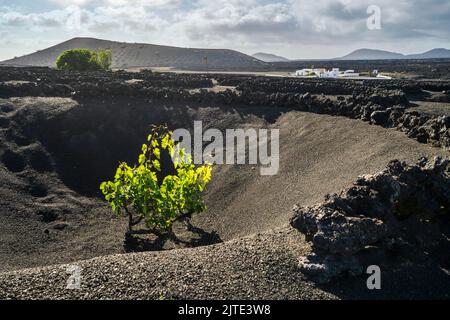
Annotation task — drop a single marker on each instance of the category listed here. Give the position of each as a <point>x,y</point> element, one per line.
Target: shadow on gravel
<point>192,236</point>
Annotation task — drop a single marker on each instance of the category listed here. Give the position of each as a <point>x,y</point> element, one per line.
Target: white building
<point>335,73</point>
<point>313,73</point>
<point>304,72</point>
<point>349,74</point>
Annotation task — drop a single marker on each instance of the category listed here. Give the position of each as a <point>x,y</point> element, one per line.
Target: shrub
<point>84,60</point>
<point>137,192</point>
<point>104,58</point>
<point>78,59</point>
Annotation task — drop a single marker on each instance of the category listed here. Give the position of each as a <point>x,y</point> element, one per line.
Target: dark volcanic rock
<point>399,209</point>
<point>334,232</point>
<point>379,118</point>
<point>324,269</point>
<point>6,108</point>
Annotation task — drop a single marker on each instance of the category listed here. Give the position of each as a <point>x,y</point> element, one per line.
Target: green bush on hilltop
<point>84,60</point>
<point>137,191</point>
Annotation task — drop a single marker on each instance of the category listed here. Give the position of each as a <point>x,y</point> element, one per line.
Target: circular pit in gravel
<point>13,161</point>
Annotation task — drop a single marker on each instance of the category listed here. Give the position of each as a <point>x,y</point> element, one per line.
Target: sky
<point>296,29</point>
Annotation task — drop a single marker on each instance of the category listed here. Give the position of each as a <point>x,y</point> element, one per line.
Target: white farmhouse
<point>304,72</point>
<point>349,74</point>
<point>334,73</point>
<point>314,73</point>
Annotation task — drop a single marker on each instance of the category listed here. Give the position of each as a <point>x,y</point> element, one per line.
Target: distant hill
<point>372,54</point>
<point>127,55</point>
<point>439,53</point>
<point>268,57</point>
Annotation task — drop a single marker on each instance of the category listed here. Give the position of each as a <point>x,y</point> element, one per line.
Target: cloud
<point>296,28</point>
<point>100,20</point>
<point>236,19</point>
<point>117,3</point>
<point>51,19</point>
